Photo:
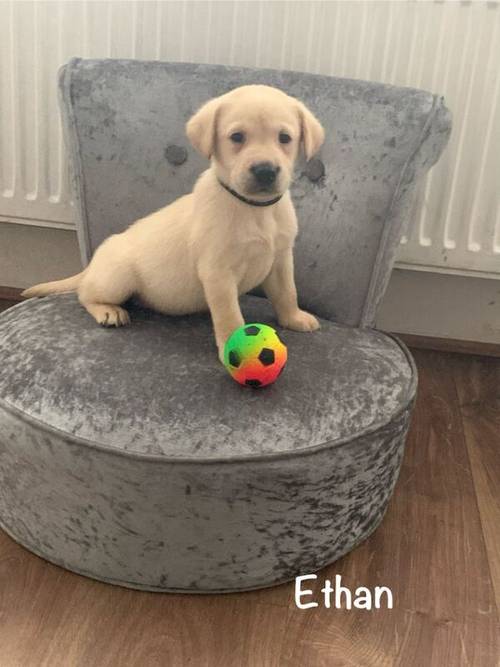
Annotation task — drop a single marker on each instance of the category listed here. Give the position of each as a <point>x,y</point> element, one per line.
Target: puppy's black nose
<point>264,173</point>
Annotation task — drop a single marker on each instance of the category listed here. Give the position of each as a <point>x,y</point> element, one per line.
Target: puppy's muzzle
<point>264,174</point>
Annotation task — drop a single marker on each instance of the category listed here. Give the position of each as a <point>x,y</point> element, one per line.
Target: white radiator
<point>448,47</point>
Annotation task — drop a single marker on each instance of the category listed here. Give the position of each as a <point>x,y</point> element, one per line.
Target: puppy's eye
<point>237,137</point>
<point>285,138</point>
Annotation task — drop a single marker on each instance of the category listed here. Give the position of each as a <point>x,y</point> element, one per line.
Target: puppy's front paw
<point>221,339</point>
<point>221,353</point>
<point>300,321</point>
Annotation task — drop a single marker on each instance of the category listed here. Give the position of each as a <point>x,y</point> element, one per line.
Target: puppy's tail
<point>57,286</point>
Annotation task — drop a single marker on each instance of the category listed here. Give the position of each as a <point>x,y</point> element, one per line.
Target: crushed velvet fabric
<point>131,456</point>
<point>162,525</point>
<point>157,387</point>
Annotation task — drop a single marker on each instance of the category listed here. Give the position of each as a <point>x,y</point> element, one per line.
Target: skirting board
<point>451,345</point>
<point>439,306</point>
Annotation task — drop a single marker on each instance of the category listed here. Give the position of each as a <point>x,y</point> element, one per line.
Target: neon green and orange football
<point>254,355</point>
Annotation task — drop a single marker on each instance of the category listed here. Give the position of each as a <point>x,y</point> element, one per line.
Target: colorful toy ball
<point>254,355</point>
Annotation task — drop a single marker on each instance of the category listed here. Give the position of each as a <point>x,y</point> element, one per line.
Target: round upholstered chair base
<point>130,456</point>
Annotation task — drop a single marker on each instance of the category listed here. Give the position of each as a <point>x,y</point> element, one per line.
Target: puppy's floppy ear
<point>201,128</point>
<point>312,132</point>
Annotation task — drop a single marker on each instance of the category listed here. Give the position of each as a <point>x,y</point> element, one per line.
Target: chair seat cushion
<point>157,388</point>
<point>131,456</point>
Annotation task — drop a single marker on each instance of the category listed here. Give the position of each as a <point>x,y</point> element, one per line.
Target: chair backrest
<point>124,129</point>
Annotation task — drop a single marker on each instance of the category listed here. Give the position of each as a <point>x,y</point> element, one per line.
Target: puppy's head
<point>252,136</point>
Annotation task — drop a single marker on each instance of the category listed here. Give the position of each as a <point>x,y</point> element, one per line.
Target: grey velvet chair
<point>130,455</point>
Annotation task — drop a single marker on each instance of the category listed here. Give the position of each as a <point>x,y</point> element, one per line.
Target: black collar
<point>252,202</point>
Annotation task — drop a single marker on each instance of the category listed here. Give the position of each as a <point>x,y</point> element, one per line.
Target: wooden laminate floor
<point>438,549</point>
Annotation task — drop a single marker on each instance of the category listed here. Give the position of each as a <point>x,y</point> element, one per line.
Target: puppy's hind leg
<point>108,314</point>
<point>102,295</point>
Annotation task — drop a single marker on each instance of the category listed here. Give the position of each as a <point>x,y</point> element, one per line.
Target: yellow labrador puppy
<point>235,231</point>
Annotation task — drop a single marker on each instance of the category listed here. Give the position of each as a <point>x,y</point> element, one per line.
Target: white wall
<point>452,48</point>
